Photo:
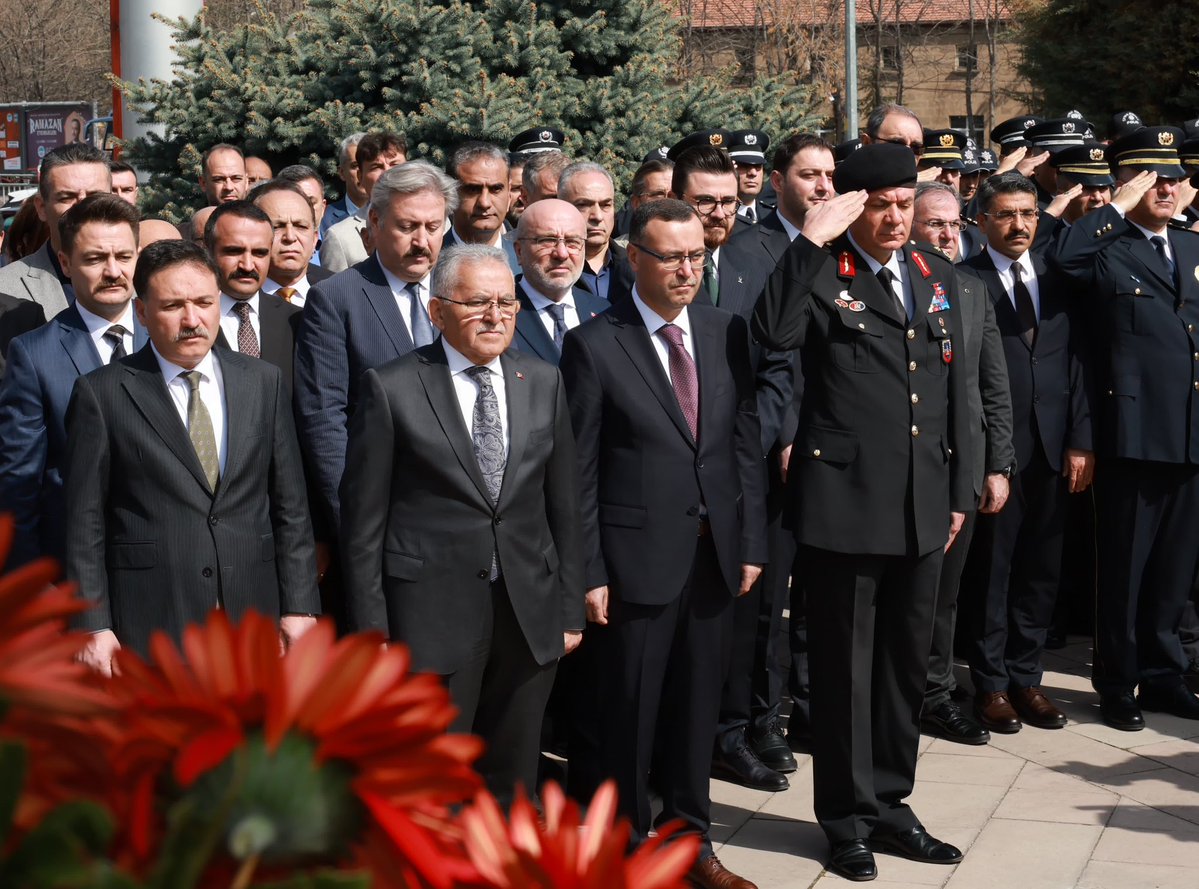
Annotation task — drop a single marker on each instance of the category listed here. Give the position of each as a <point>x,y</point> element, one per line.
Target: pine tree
<point>603,71</point>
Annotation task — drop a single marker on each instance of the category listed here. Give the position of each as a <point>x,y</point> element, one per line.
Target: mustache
<point>191,333</point>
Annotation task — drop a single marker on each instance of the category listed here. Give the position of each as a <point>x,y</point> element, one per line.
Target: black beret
<point>875,167</point>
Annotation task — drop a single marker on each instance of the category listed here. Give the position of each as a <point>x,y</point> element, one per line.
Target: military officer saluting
<point>881,478</point>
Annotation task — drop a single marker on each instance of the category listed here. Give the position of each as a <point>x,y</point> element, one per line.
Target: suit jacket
<point>149,542</point>
<point>17,316</point>
<point>505,244</point>
<point>317,273</point>
<point>342,246</point>
<point>621,277</point>
<point>278,321</point>
<point>419,528</point>
<point>335,212</point>
<point>768,235</point>
<point>34,278</point>
<point>1050,407</point>
<point>882,453</point>
<point>644,478</point>
<point>531,335</point>
<point>33,406</point>
<point>1144,327</point>
<point>350,323</point>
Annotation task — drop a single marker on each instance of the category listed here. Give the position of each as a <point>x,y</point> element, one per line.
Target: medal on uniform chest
<point>940,301</point>
<point>947,350</point>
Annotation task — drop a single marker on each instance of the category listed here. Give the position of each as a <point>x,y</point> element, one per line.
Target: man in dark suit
<point>1142,292</point>
<point>183,480</point>
<point>662,399</point>
<point>293,219</point>
<point>605,270</point>
<point>17,316</point>
<point>881,482</point>
<point>99,237</point>
<point>549,244</point>
<point>460,519</point>
<point>1018,552</point>
<point>706,178</point>
<point>481,170</point>
<point>368,315</point>
<point>239,236</point>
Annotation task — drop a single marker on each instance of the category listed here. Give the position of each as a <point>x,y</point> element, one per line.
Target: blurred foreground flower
<point>564,854</point>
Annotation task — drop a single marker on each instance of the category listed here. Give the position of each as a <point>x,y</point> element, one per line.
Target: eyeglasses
<point>674,261</point>
<point>480,307</point>
<point>706,204</point>
<point>938,224</point>
<point>653,195</point>
<point>547,243</point>
<point>1010,215</point>
<point>917,147</point>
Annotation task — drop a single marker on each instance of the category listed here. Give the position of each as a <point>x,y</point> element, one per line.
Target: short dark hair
<point>700,159</point>
<point>375,145</point>
<point>220,146</point>
<point>786,152</point>
<point>66,156</point>
<point>666,210</point>
<point>297,173</point>
<point>240,209</point>
<point>473,151</point>
<point>120,167</point>
<point>273,185</point>
<point>163,255</point>
<point>105,208</point>
<point>1008,182</point>
<point>648,169</point>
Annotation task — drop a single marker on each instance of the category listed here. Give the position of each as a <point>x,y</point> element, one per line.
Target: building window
<point>974,130</point>
<point>889,56</point>
<point>968,60</point>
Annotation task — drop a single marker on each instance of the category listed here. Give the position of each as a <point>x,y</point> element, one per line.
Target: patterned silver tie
<point>487,432</point>
<point>199,430</point>
<point>116,338</point>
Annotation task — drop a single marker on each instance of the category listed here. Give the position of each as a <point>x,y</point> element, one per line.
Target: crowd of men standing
<point>580,458</point>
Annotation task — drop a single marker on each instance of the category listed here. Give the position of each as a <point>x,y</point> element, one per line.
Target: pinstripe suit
<point>149,542</point>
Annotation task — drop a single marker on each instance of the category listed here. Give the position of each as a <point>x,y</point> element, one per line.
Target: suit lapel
<point>1006,317</point>
<point>732,284</point>
<point>516,388</point>
<point>706,340</point>
<point>863,285</point>
<point>634,338</point>
<point>242,408</point>
<point>922,286</point>
<point>1188,271</point>
<point>148,391</point>
<point>528,322</point>
<point>382,300</point>
<point>439,389</point>
<point>1148,257</point>
<point>77,341</point>
<point>273,326</point>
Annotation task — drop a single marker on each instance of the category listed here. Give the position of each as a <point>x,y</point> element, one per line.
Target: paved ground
<point>1085,806</point>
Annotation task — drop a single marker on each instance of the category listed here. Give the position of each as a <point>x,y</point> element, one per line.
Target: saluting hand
<point>928,174</point>
<point>1079,468</point>
<point>1060,201</point>
<point>1011,160</point>
<point>830,219</point>
<point>1130,193</point>
<point>596,603</point>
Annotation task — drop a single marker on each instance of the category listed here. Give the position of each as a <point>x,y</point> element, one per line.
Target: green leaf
<point>62,849</point>
<point>12,780</point>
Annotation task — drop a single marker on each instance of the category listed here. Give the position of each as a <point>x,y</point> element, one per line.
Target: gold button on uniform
<point>816,452</point>
<point>911,334</point>
<point>915,430</point>
<point>915,398</point>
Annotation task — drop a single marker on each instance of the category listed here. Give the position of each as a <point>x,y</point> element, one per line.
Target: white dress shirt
<point>901,284</point>
<point>1007,277</point>
<point>97,327</point>
<point>655,322</point>
<point>230,321</point>
<point>404,301</point>
<point>791,229</point>
<point>301,290</point>
<point>1165,236</point>
<point>539,301</point>
<point>467,389</point>
<point>212,393</point>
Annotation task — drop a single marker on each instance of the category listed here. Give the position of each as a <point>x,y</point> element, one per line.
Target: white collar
<point>170,371</point>
<point>540,300</point>
<point>874,264</point>
<point>397,285</point>
<point>270,285</point>
<point>228,302</point>
<point>791,230</point>
<point>1003,264</point>
<point>459,363</point>
<point>95,324</point>
<point>655,322</point>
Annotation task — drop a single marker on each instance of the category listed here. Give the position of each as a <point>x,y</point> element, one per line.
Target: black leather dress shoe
<point>1121,711</point>
<point>853,860</point>
<point>1176,700</point>
<point>918,845</point>
<point>743,767</point>
<point>949,721</point>
<point>773,750</point>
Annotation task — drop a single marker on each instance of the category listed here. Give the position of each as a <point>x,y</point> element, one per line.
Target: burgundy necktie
<point>683,377</point>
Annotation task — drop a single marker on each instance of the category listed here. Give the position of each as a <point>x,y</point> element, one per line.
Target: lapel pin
<point>740,280</point>
<point>519,375</point>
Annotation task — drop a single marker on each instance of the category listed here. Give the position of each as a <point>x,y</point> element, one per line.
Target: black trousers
<point>1015,580</point>
<point>940,683</point>
<point>664,666</point>
<point>870,621</point>
<point>501,695</point>
<point>1148,542</point>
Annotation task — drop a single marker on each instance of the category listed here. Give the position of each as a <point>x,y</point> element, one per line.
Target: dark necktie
<point>199,430</point>
<point>887,278</point>
<point>711,279</point>
<point>116,336</point>
<point>1159,244</point>
<point>558,312</point>
<point>422,327</point>
<point>247,340</point>
<point>749,213</point>
<point>487,433</point>
<point>683,378</point>
<point>1025,310</point>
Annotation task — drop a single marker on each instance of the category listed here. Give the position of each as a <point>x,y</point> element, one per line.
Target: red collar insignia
<point>846,267</point>
<point>922,264</point>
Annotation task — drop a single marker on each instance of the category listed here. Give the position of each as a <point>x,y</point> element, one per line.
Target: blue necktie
<point>422,327</point>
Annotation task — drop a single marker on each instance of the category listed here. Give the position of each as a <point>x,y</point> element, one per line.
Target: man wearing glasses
<point>460,521</point>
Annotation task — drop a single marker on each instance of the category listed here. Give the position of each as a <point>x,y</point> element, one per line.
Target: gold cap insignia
<point>946,140</point>
<point>716,140</point>
<point>1096,154</point>
<point>1165,138</point>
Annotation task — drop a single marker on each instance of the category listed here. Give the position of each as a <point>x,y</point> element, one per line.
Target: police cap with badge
<point>943,148</point>
<point>1009,135</point>
<point>1123,123</point>
<point>844,149</point>
<point>748,147</point>
<point>1149,148</point>
<point>714,138</point>
<point>1055,135</point>
<point>1084,164</point>
<point>537,139</point>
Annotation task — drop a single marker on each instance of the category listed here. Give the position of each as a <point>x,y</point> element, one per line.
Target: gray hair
<point>925,189</point>
<point>882,112</point>
<point>413,177</point>
<point>542,160</point>
<point>350,141</point>
<point>473,151</point>
<point>453,259</point>
<point>581,168</point>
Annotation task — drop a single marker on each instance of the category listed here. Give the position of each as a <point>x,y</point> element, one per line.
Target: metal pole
<point>143,47</point>
<point>851,69</point>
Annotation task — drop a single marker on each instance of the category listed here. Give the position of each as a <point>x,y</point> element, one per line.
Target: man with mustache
<point>240,237</point>
<point>1015,564</point>
<point>483,198</point>
<point>183,479</point>
<point>292,216</point>
<point>99,237</point>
